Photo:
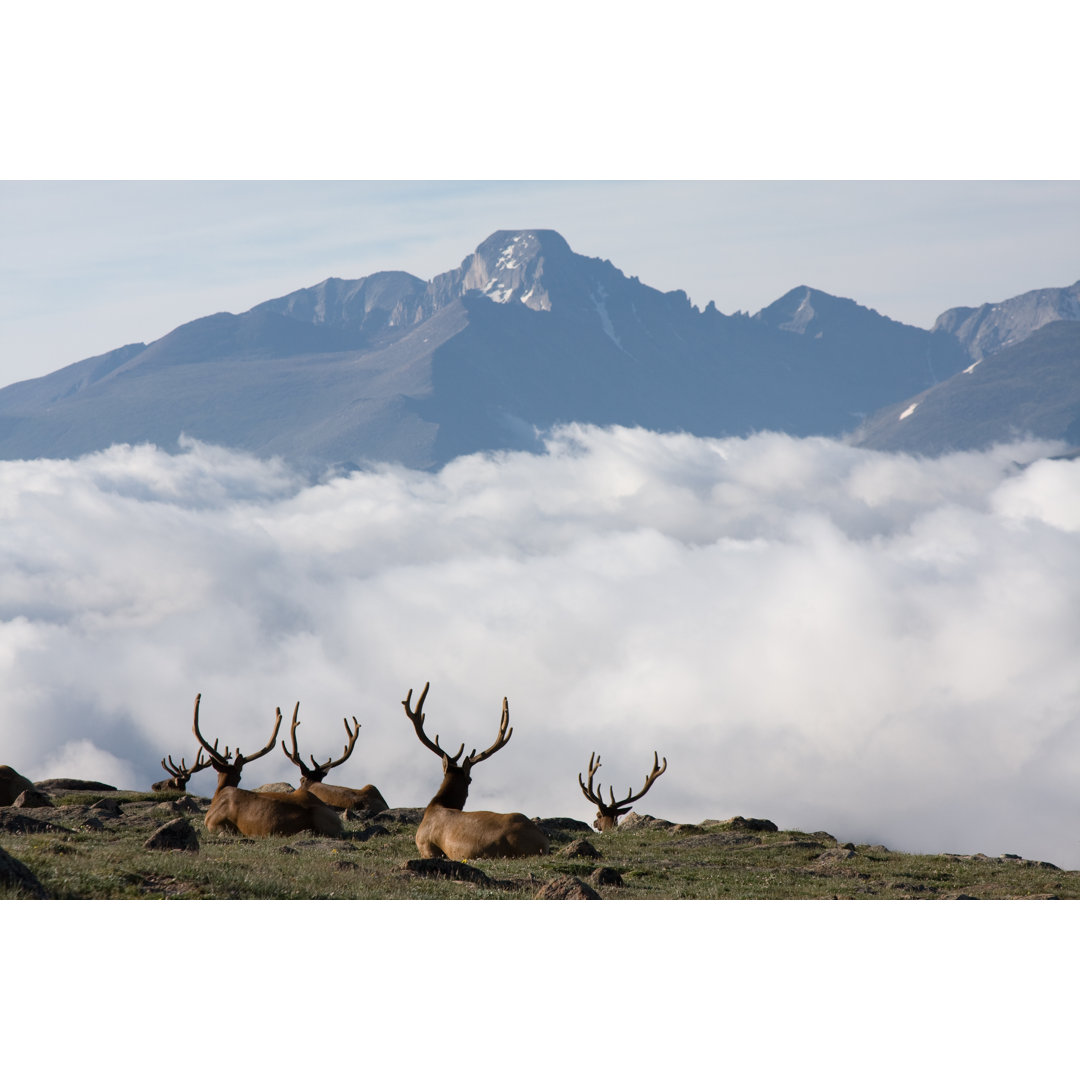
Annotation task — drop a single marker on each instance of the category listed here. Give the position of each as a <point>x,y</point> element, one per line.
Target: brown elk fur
<point>261,813</point>
<point>447,829</point>
<point>365,801</point>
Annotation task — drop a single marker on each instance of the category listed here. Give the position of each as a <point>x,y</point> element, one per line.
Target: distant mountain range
<point>526,333</point>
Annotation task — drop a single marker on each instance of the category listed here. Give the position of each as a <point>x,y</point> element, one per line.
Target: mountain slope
<point>524,333</point>
<point>1032,388</point>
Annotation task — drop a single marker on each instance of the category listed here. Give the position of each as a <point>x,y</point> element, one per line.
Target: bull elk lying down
<point>179,774</point>
<point>365,801</point>
<point>609,812</point>
<point>448,830</point>
<point>260,813</point>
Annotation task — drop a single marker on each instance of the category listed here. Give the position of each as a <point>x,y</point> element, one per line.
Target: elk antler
<point>239,760</point>
<point>500,740</point>
<point>182,770</point>
<point>417,718</point>
<point>321,770</point>
<point>614,808</point>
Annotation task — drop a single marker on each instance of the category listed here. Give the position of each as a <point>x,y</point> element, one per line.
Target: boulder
<point>279,786</point>
<point>447,868</point>
<point>25,823</point>
<point>566,887</point>
<point>12,784</point>
<point>370,831</point>
<point>606,875</point>
<point>31,798</point>
<point>643,821</point>
<point>66,784</point>
<point>189,804</point>
<point>107,808</point>
<point>175,835</point>
<point>402,815</point>
<point>580,848</point>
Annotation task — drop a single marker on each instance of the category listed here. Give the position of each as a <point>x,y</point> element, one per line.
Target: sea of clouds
<point>875,645</point>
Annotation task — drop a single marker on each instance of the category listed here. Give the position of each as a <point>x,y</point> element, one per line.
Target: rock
<point>175,835</point>
<point>565,887</point>
<point>190,805</point>
<point>31,797</point>
<point>65,784</point>
<point>107,808</point>
<point>836,853</point>
<point>402,815</point>
<point>634,820</point>
<point>279,785</point>
<point>606,875</point>
<point>753,824</point>
<point>580,848</point>
<point>24,823</point>
<point>12,784</point>
<point>371,831</point>
<point>447,868</point>
<point>561,824</point>
<point>15,874</point>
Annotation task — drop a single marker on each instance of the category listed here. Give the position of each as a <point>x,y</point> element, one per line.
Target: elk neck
<point>454,789</point>
<point>227,777</point>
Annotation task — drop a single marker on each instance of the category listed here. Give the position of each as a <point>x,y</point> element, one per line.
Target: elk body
<point>608,814</point>
<point>179,774</point>
<point>260,813</point>
<point>365,801</point>
<point>447,829</point>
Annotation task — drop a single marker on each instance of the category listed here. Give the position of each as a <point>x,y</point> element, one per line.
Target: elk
<point>608,815</point>
<point>260,813</point>
<point>446,829</point>
<point>179,774</point>
<point>365,801</point>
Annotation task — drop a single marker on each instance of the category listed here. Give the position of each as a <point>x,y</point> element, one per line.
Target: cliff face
<point>987,329</point>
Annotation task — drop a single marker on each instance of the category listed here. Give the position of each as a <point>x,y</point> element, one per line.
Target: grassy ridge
<point>90,855</point>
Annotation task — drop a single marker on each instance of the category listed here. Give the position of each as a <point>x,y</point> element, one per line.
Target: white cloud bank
<point>878,646</point>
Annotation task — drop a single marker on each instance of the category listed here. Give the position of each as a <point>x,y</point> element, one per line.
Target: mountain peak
<point>509,265</point>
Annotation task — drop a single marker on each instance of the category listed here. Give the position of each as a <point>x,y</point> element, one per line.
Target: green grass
<point>108,860</point>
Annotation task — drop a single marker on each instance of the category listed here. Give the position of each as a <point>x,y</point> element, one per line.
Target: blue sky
<point>88,266</point>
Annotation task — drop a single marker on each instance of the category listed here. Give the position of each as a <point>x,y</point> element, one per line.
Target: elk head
<point>179,774</point>
<point>229,771</point>
<point>456,779</point>
<point>609,812</point>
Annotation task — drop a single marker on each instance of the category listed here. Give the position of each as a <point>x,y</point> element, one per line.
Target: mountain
<point>1030,388</point>
<point>523,334</point>
<point>988,329</point>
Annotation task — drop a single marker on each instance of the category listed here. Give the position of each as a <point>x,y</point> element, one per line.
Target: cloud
<point>872,644</point>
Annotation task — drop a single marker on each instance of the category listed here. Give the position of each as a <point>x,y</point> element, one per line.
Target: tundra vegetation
<point>93,845</point>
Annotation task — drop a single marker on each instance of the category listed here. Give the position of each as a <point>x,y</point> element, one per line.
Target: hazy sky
<point>88,266</point>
